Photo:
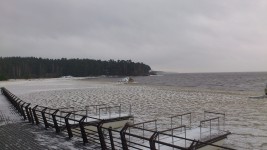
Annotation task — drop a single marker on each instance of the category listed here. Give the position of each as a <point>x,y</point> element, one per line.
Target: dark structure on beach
<point>31,67</point>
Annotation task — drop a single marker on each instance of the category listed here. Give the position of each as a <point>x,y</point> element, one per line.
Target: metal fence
<point>92,129</point>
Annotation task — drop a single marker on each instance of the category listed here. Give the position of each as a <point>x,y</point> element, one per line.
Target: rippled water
<point>246,117</point>
<point>245,81</point>
<point>254,81</point>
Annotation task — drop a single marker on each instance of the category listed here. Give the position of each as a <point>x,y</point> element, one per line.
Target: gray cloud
<point>172,35</point>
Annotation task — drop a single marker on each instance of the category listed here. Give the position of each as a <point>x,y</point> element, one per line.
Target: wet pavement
<point>18,134</point>
<point>15,133</point>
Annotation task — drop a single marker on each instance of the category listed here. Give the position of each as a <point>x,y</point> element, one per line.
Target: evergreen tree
<point>31,67</point>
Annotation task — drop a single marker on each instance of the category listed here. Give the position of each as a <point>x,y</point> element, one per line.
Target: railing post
<point>13,100</point>
<point>19,108</point>
<point>31,115</point>
<point>120,111</point>
<point>22,110</point>
<point>99,113</point>
<point>193,145</point>
<point>200,130</point>
<point>85,140</point>
<point>68,125</point>
<point>55,121</point>
<point>210,128</point>
<point>190,121</point>
<point>35,115</point>
<point>44,118</point>
<point>123,139</point>
<point>101,136</point>
<point>27,112</point>
<point>130,109</point>
<point>152,141</point>
<point>223,121</point>
<point>185,136</point>
<point>111,138</point>
<point>17,104</point>
<point>109,111</point>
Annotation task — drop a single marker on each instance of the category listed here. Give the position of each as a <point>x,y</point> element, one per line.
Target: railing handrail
<point>207,120</point>
<point>183,126</point>
<point>150,130</point>
<point>24,106</point>
<point>212,112</point>
<point>179,115</point>
<point>154,120</point>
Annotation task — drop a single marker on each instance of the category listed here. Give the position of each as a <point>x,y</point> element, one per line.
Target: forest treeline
<point>31,67</point>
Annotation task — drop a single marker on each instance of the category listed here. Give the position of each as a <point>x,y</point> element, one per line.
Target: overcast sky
<point>168,35</point>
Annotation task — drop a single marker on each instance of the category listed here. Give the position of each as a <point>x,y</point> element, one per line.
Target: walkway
<point>15,134</point>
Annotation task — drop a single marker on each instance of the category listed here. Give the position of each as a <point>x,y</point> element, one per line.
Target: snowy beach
<point>245,117</point>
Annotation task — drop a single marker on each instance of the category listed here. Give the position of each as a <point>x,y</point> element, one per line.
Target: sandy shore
<point>246,117</point>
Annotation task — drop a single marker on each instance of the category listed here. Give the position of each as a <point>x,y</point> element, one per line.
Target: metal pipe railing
<point>181,120</point>
<point>35,113</point>
<point>207,120</point>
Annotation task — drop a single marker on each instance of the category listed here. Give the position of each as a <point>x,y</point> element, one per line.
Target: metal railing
<point>144,135</point>
<point>73,122</point>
